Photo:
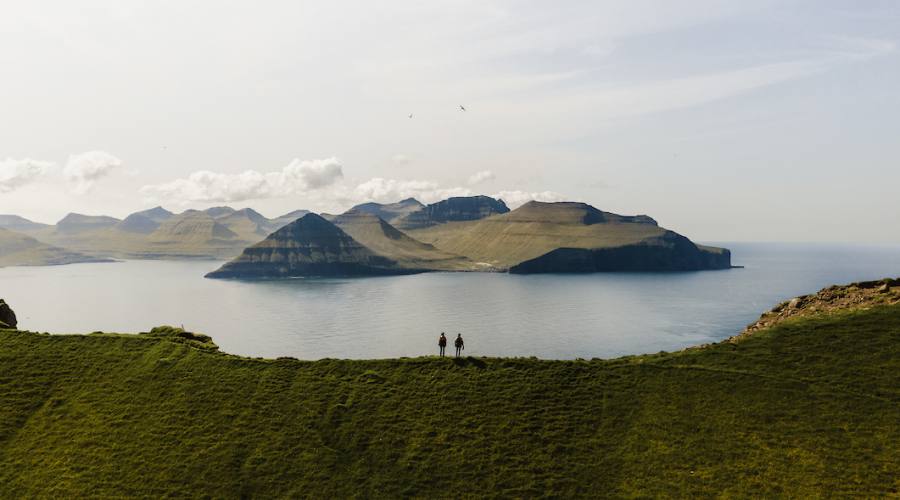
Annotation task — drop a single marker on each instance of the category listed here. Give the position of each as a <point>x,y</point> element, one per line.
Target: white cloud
<point>16,173</point>
<point>391,190</point>
<point>299,177</point>
<point>479,177</point>
<point>85,169</point>
<point>515,199</point>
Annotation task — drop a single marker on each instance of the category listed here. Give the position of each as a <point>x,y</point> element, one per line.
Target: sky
<point>723,120</point>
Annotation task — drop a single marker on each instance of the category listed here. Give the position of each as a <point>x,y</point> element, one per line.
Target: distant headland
<point>473,233</point>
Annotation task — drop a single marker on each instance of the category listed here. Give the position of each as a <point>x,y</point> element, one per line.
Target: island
<point>473,234</point>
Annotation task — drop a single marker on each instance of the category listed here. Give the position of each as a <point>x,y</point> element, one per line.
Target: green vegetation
<point>382,238</point>
<point>20,250</point>
<point>215,233</point>
<point>538,229</point>
<point>808,407</point>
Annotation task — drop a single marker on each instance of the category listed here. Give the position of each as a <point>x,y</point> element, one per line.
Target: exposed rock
<point>7,316</point>
<point>461,208</point>
<point>309,246</point>
<point>862,295</point>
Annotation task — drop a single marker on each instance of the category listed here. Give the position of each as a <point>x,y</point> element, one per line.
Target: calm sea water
<point>548,316</point>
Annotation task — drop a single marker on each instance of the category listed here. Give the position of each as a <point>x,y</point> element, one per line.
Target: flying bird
<point>461,107</point>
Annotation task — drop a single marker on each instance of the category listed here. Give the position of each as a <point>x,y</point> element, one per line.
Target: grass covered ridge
<point>808,407</point>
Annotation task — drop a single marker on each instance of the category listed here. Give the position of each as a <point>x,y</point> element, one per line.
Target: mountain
<point>20,224</point>
<point>247,223</point>
<point>458,234</point>
<point>216,212</point>
<point>377,235</point>
<point>144,222</point>
<point>21,250</point>
<point>215,233</point>
<point>461,208</point>
<point>78,223</point>
<point>283,220</point>
<point>309,246</point>
<point>389,212</point>
<point>193,234</point>
<point>570,237</point>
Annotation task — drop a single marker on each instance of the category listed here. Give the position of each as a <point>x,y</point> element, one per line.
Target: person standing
<point>442,343</point>
<point>459,343</point>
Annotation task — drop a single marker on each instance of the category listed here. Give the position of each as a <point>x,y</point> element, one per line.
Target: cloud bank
<point>299,177</point>
<point>320,183</point>
<point>16,173</point>
<point>85,169</point>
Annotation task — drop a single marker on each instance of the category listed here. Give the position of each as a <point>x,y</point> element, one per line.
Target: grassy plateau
<point>808,407</point>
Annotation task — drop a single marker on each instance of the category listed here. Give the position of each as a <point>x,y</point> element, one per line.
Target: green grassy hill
<point>382,238</point>
<point>215,233</point>
<point>807,407</point>
<point>21,250</point>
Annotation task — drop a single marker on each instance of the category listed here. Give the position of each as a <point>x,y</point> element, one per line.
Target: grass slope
<point>535,229</point>
<point>20,250</point>
<point>810,407</point>
<point>382,238</point>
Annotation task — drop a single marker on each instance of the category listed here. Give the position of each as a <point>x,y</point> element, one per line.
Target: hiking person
<point>460,345</point>
<point>442,343</point>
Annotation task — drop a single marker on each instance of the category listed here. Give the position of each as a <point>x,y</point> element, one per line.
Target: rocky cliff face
<point>309,246</point>
<point>668,252</point>
<point>465,208</point>
<point>7,316</point>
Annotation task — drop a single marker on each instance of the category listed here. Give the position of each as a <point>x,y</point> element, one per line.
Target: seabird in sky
<point>461,107</point>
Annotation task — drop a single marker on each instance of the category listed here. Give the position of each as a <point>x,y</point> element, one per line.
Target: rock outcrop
<point>309,246</point>
<point>7,316</point>
<point>462,208</point>
<point>862,295</point>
